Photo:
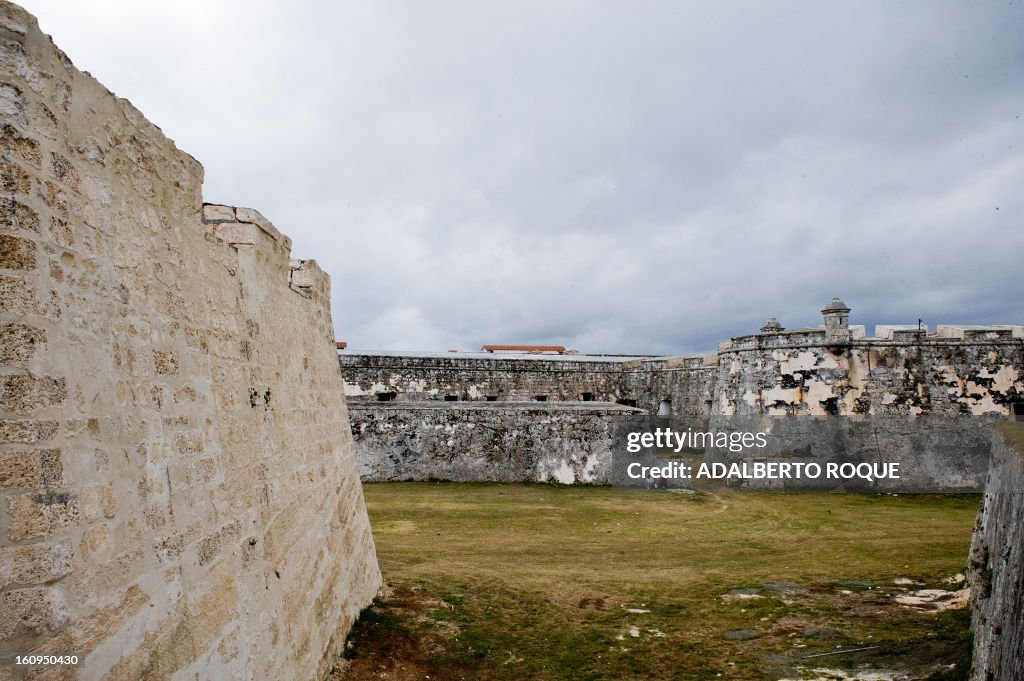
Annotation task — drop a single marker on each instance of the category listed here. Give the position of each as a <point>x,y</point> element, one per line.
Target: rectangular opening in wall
<point>627,402</point>
<point>492,398</point>
<point>541,398</point>
<point>387,396</point>
<point>451,398</point>
<point>588,397</point>
<point>1017,411</point>
<point>665,408</point>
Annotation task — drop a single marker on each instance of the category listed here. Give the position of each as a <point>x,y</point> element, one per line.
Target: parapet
<point>243,226</point>
<point>246,227</point>
<point>979,332</point>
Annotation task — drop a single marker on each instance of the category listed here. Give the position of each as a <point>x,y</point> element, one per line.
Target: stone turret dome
<point>836,306</point>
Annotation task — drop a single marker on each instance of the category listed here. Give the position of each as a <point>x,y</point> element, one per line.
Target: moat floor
<point>543,582</point>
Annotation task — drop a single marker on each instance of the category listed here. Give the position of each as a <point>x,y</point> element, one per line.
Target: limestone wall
<point>477,376</point>
<point>997,566</point>
<point>686,383</point>
<point>473,441</point>
<point>683,387</point>
<point>178,490</point>
<point>959,381</point>
<point>979,372</point>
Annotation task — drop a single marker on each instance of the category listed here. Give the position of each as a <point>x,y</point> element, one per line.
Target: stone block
<point>38,610</point>
<point>212,544</point>
<point>98,501</point>
<point>165,362</point>
<point>51,468</point>
<point>16,295</point>
<point>34,564</point>
<point>307,275</point>
<point>12,104</point>
<point>256,218</point>
<point>16,215</point>
<point>213,212</point>
<point>96,539</point>
<point>15,180</point>
<point>24,393</point>
<point>40,515</point>
<point>61,232</point>
<point>26,150</point>
<point>19,470</point>
<point>17,253</point>
<point>188,444</point>
<point>27,432</point>
<point>238,233</point>
<point>64,171</point>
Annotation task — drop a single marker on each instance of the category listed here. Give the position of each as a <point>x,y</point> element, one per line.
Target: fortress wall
<point>489,441</point>
<point>997,565</point>
<point>178,489</point>
<point>969,377</point>
<point>417,435</point>
<point>686,382</point>
<point>425,377</point>
<point>785,374</point>
<point>930,403</point>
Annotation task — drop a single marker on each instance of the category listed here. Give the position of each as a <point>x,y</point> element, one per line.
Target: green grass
<point>535,581</point>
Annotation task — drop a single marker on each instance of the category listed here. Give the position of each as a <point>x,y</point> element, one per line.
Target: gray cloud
<point>618,177</point>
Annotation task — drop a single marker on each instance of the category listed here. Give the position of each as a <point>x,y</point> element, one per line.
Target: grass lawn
<point>490,581</point>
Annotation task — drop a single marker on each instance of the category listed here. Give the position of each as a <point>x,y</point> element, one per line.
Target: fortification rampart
<point>997,564</point>
<point>178,490</point>
<point>959,370</point>
<point>682,383</point>
<point>486,442</point>
<point>960,377</point>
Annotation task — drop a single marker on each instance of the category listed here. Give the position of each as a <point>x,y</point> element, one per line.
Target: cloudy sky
<point>610,176</point>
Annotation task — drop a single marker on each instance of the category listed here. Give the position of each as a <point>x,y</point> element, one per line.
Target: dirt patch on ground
<point>395,638</point>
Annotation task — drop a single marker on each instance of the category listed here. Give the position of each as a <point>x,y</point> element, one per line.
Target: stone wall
<point>178,489</point>
<point>489,441</point>
<point>975,372</point>
<point>477,376</point>
<point>684,382</point>
<point>997,565</point>
<point>952,385</point>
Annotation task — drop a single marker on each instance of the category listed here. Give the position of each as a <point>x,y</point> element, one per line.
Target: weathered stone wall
<point>476,376</point>
<point>496,441</point>
<point>997,564</point>
<point>980,372</point>
<point>683,387</point>
<point>178,490</point>
<point>960,380</point>
<point>685,382</point>
<point>492,427</point>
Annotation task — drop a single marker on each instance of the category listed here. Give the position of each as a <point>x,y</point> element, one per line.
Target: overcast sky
<point>609,176</point>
